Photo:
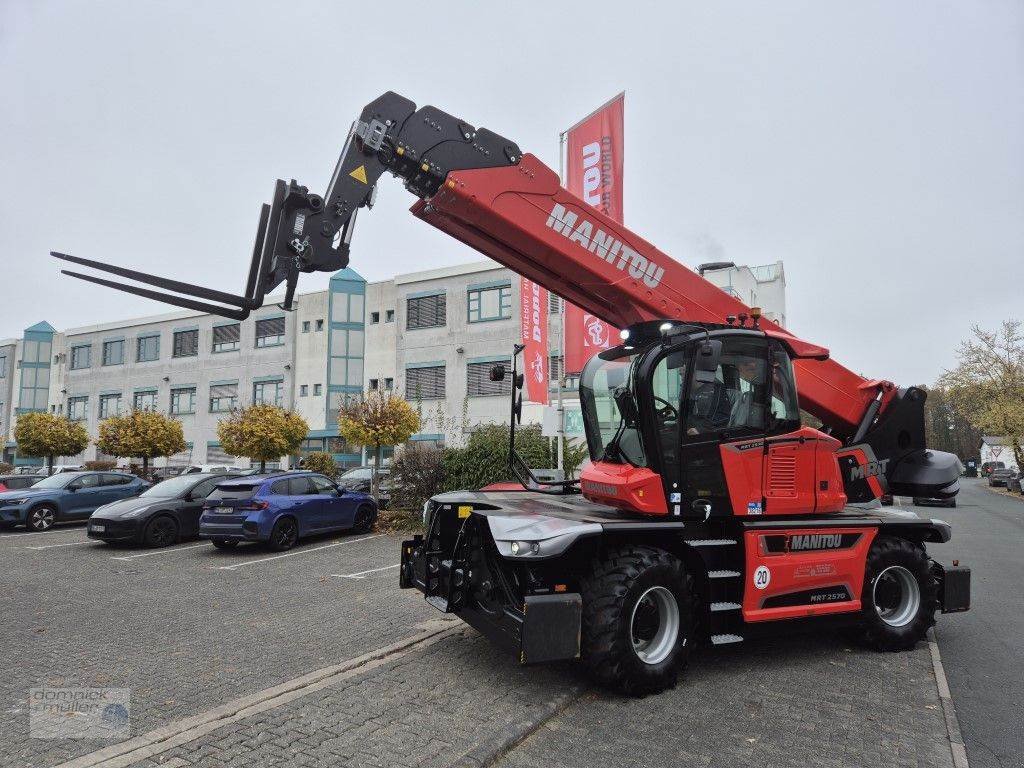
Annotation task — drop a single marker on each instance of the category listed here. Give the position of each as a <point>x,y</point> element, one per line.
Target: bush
<point>320,462</point>
<point>100,466</point>
<point>417,473</point>
<point>484,460</point>
<point>5,468</point>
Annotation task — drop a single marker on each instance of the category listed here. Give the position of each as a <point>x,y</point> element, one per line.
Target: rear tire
<point>161,531</point>
<point>225,543</point>
<point>900,595</point>
<point>284,535</point>
<point>41,518</point>
<point>638,624</point>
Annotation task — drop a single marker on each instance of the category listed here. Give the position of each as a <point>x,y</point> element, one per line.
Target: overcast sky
<point>877,148</point>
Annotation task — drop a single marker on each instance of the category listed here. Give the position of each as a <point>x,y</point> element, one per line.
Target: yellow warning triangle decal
<point>359,174</point>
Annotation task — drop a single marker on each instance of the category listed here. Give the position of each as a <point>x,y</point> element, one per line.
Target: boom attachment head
<point>301,231</point>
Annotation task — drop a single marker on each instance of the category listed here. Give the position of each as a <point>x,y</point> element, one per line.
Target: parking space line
<point>51,532</point>
<point>363,574</point>
<point>166,550</point>
<point>69,544</point>
<point>299,552</point>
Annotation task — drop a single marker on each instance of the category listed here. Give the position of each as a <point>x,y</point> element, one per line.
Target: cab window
<point>733,401</point>
<point>784,413</point>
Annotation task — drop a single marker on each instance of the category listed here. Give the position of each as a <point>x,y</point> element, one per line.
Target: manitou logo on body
<point>605,247</point>
<point>602,489</point>
<point>805,541</point>
<point>871,469</point>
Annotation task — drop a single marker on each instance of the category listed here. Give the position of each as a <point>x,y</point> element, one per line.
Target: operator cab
<point>706,418</point>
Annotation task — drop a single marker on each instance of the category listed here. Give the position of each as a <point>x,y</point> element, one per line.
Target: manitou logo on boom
<point>606,247</point>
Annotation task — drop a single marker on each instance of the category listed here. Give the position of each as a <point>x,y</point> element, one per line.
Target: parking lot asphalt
<point>247,657</point>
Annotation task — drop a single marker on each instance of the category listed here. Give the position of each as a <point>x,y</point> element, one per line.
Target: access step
<point>711,542</point>
<point>724,606</point>
<point>723,574</point>
<point>725,639</point>
<point>438,602</point>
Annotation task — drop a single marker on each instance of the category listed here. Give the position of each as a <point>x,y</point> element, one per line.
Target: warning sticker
<point>762,577</point>
<point>359,174</point>
<point>753,507</point>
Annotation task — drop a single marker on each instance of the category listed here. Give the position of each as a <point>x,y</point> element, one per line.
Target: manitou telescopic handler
<point>708,510</point>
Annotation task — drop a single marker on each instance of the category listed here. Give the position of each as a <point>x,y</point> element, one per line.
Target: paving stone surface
<point>186,635</point>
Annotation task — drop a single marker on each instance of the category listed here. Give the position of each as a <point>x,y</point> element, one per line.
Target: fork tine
<point>160,282</point>
<point>167,298</point>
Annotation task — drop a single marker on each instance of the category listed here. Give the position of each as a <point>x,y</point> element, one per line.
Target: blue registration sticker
<point>753,507</point>
<point>675,498</point>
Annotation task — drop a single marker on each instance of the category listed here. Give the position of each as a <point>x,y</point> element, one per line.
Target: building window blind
<point>478,380</point>
<point>426,312</point>
<point>186,344</point>
<point>223,397</point>
<point>425,383</point>
<point>270,333</point>
<point>226,337</point>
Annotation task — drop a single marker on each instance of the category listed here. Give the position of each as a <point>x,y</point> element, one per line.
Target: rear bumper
<point>244,531</point>
<point>537,629</point>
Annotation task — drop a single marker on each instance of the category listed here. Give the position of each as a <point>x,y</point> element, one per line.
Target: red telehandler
<point>708,511</point>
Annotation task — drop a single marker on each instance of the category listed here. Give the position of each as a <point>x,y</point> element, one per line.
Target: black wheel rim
<point>42,519</point>
<point>163,532</point>
<point>286,534</point>
<point>362,520</point>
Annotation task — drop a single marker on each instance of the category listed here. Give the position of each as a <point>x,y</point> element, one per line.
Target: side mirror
<point>626,405</point>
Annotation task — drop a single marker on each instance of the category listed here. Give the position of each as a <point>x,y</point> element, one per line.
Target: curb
<point>957,748</point>
<point>486,754</point>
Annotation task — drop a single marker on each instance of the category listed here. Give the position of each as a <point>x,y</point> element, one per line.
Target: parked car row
<point>227,508</point>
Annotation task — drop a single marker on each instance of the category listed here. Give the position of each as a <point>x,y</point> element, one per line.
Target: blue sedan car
<point>280,509</point>
<point>67,496</point>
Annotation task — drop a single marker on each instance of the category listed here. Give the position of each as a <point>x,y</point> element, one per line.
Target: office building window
<point>478,380</point>
<point>374,385</point>
<point>147,349</point>
<point>319,325</point>
<point>554,304</point>
<point>492,303</point>
<point>374,318</point>
<point>223,397</point>
<point>304,390</point>
<point>186,344</point>
<point>389,316</point>
<point>425,312</point>
<point>110,405</point>
<point>3,366</point>
<point>113,352</point>
<point>318,389</point>
<point>389,384</point>
<point>271,392</point>
<point>555,363</point>
<point>80,357</point>
<point>270,332</point>
<point>183,400</point>
<point>425,383</point>
<point>78,408</point>
<point>144,401</point>
<point>226,338</point>
<point>305,326</point>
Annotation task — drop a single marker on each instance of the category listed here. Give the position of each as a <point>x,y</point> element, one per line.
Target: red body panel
<point>509,214</point>
<point>796,474</point>
<point>810,571</point>
<point>624,486</point>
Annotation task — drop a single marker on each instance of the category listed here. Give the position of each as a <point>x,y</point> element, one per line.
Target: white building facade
<point>428,336</point>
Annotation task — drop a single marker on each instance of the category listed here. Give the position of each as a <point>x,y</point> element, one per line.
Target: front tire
<point>161,531</point>
<point>41,518</point>
<point>365,519</point>
<point>900,595</point>
<point>638,623</point>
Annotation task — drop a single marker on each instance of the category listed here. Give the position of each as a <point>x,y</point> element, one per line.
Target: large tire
<point>628,643</point>
<point>900,595</point>
<point>284,535</point>
<point>161,531</point>
<point>41,518</point>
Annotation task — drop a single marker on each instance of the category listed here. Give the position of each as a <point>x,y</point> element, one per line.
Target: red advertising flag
<point>533,306</point>
<point>594,173</point>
